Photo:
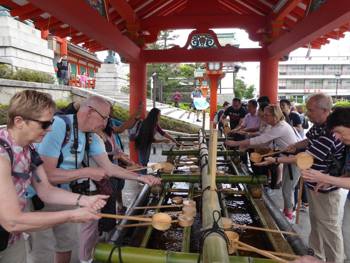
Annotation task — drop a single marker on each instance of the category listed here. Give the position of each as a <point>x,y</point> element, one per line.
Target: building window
<point>314,84</point>
<point>82,70</point>
<point>295,84</point>
<point>91,72</point>
<point>73,69</point>
<point>296,69</point>
<point>330,84</point>
<point>282,84</point>
<point>314,69</point>
<point>332,69</point>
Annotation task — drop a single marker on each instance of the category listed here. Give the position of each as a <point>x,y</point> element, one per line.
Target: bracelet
<point>77,202</point>
<point>276,159</point>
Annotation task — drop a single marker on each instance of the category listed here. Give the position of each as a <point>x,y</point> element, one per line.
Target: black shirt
<point>235,115</point>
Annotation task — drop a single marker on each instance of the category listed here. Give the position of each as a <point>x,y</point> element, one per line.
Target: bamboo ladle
<point>160,221</point>
<point>163,166</point>
<point>228,224</point>
<point>257,157</point>
<point>280,254</point>
<point>234,244</point>
<point>183,221</point>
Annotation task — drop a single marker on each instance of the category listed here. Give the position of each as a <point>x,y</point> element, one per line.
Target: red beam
<point>31,15</point>
<point>188,22</point>
<point>79,39</point>
<point>19,11</point>
<point>82,17</point>
<point>330,15</point>
<point>225,54</point>
<point>46,23</point>
<point>286,9</point>
<point>124,10</point>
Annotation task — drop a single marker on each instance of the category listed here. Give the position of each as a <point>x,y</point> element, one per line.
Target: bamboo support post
<point>212,160</point>
<point>214,246</point>
<point>186,239</point>
<point>103,251</point>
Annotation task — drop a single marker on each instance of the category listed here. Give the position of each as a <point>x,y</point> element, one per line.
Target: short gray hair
<point>95,101</point>
<point>322,100</point>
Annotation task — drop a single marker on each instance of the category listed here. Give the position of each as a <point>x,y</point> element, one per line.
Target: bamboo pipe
<point>281,254</point>
<point>136,218</point>
<point>261,252</point>
<point>264,229</point>
<point>158,206</point>
<point>213,156</point>
<point>141,224</point>
<point>196,152</point>
<point>219,179</point>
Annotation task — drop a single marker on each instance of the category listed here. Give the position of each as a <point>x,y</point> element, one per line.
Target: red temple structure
<point>280,26</point>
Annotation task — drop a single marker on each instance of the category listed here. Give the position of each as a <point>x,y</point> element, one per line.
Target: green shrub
<point>34,76</point>
<point>342,103</point>
<point>6,72</point>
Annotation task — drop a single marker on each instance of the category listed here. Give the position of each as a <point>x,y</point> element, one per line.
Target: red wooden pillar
<point>44,34</point>
<point>138,94</point>
<point>269,78</point>
<point>214,77</point>
<point>64,47</point>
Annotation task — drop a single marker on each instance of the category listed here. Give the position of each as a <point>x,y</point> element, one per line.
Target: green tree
<point>242,91</point>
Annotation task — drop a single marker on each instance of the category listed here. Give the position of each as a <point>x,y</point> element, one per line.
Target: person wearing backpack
<point>69,173</point>
<point>30,116</point>
<point>146,136</point>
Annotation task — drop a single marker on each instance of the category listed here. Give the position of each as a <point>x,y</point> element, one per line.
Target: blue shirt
<point>118,141</point>
<point>52,143</point>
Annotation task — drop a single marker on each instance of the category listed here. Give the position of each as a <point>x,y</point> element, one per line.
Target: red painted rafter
<point>124,9</point>
<point>230,7</point>
<point>168,10</point>
<point>22,10</point>
<point>285,10</point>
<point>31,15</point>
<point>82,17</point>
<point>249,9</point>
<point>79,39</point>
<point>225,54</point>
<point>330,15</point>
<point>47,23</point>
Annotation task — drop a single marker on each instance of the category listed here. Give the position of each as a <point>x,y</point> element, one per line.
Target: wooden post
<point>212,161</point>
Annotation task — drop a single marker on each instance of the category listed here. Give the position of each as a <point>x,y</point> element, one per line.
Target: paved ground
<point>167,110</point>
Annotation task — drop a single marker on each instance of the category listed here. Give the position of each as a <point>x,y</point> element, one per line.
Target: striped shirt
<point>322,145</point>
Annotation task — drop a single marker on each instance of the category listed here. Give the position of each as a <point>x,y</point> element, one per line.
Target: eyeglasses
<point>103,117</point>
<point>44,124</point>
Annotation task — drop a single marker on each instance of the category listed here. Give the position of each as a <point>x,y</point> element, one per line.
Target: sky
<point>250,76</point>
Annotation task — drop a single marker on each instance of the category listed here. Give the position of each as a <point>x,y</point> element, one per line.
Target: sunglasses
<point>103,117</point>
<point>44,124</point>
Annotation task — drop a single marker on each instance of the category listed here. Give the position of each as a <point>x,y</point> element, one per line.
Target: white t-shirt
<point>281,135</point>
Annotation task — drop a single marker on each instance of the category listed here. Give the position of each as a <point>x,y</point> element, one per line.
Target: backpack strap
<point>66,136</point>
<point>35,161</point>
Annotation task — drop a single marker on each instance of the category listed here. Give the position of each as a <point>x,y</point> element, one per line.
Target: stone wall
<point>22,46</point>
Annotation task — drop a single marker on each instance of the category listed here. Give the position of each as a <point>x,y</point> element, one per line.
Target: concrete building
<point>300,77</point>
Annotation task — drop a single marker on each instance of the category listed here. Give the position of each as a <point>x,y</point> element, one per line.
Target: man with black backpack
<point>30,116</point>
<point>71,138</point>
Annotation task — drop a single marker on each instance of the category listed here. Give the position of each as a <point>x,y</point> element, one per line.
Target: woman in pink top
<point>30,116</point>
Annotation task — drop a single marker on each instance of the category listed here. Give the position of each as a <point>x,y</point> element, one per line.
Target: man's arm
<point>113,170</point>
<point>55,195</point>
<point>59,176</point>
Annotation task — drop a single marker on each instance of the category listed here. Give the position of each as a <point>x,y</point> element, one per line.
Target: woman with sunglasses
<point>30,116</point>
